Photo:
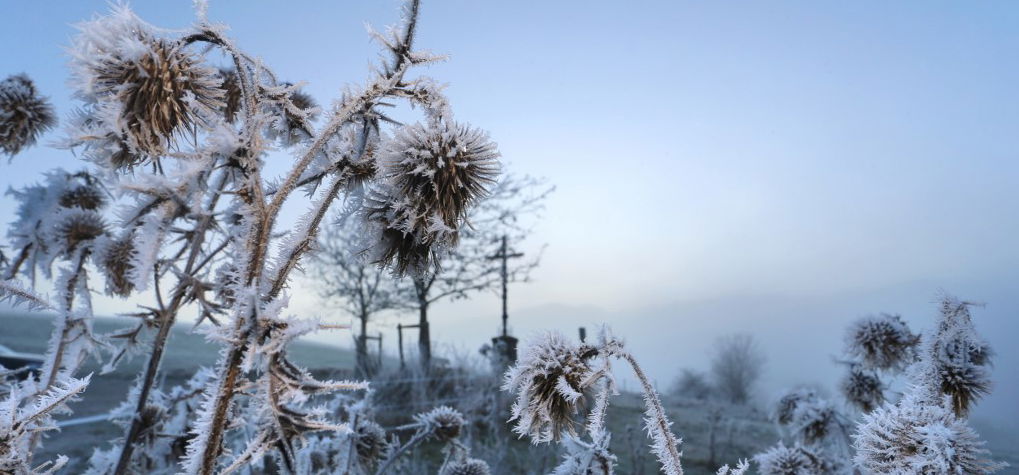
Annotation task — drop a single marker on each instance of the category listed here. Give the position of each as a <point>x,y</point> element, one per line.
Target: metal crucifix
<point>504,255</point>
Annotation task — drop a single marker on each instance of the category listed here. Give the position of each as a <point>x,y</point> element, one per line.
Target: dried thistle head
<point>549,381</point>
<point>78,227</point>
<point>152,418</point>
<point>915,436</point>
<point>370,443</point>
<point>816,422</point>
<point>115,263</point>
<point>796,460</point>
<point>444,422</point>
<point>882,342</point>
<point>467,466</point>
<point>84,196</point>
<point>24,115</point>
<point>961,365</point>
<point>785,408</point>
<point>231,87</point>
<point>958,360</point>
<point>433,175</point>
<point>160,91</point>
<point>808,415</point>
<point>863,389</point>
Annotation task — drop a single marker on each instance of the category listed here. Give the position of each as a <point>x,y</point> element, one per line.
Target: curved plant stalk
<point>666,445</point>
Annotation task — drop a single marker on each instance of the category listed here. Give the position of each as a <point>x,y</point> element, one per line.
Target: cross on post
<point>504,255</point>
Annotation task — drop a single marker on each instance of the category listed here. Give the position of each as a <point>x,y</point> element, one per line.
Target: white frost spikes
<point>550,379</point>
<point>24,115</point>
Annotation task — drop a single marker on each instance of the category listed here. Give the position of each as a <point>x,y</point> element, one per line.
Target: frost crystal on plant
<point>796,460</point>
<point>549,380</point>
<point>145,89</point>
<point>24,115</point>
<point>863,389</point>
<point>882,342</point>
<point>443,422</point>
<point>433,175</point>
<point>915,436</point>
<point>470,466</point>
<point>958,359</point>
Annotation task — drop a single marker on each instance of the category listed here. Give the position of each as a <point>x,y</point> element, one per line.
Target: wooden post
<point>504,256</point>
<point>399,337</point>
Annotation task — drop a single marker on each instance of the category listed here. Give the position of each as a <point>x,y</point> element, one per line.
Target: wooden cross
<point>504,255</point>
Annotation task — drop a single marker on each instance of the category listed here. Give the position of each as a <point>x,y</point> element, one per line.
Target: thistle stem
<point>657,422</point>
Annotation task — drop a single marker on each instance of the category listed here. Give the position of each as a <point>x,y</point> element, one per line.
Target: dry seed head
<point>433,176</point>
<point>882,342</point>
<point>957,360</point>
<point>444,422</point>
<point>467,466</point>
<point>962,369</point>
<point>915,436</point>
<point>371,443</point>
<point>785,409</point>
<point>231,87</point>
<point>163,92</point>
<point>77,227</point>
<point>797,460</point>
<point>24,115</point>
<point>115,262</point>
<point>863,389</point>
<point>87,197</point>
<point>549,381</point>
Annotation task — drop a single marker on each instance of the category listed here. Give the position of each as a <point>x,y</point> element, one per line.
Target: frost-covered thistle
<point>24,115</point>
<point>810,417</point>
<point>77,227</point>
<point>146,90</point>
<point>958,359</point>
<point>863,389</point>
<point>444,423</point>
<point>433,175</point>
<point>925,432</point>
<point>915,436</point>
<point>882,342</point>
<point>370,444</point>
<point>549,380</point>
<point>231,86</point>
<point>114,259</point>
<point>795,460</point>
<point>470,466</point>
<point>85,196</point>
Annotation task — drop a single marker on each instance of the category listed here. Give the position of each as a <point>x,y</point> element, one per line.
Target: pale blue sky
<point>777,167</point>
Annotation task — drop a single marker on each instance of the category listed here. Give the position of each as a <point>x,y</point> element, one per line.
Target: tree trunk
<point>424,339</point>
<point>361,346</point>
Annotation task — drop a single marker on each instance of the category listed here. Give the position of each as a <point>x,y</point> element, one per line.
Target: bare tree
<point>736,366</point>
<point>508,210</point>
<point>692,384</point>
<point>346,278</point>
